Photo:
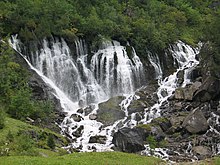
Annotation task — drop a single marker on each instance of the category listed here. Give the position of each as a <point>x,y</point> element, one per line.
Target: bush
<point>24,145</point>
<point>50,142</point>
<point>2,119</point>
<point>10,136</point>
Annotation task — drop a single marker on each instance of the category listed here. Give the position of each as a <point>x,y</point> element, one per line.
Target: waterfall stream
<point>185,57</point>
<point>81,83</point>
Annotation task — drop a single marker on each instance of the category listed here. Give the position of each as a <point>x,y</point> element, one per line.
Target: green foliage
<point>24,145</point>
<point>15,94</point>
<point>2,119</point>
<point>10,136</point>
<point>153,143</point>
<point>50,142</point>
<point>152,24</point>
<point>15,133</point>
<point>21,106</point>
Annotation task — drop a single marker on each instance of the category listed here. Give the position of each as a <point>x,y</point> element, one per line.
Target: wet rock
<point>178,106</point>
<point>136,106</point>
<point>110,111</point>
<point>187,93</point>
<point>158,133</point>
<point>164,123</point>
<point>129,140</point>
<point>137,117</point>
<point>196,74</point>
<point>202,152</point>
<point>89,109</point>
<point>93,117</point>
<point>209,89</point>
<point>98,139</point>
<point>176,123</point>
<point>179,94</point>
<point>195,122</point>
<point>76,118</point>
<point>78,132</point>
<point>148,94</point>
<point>180,76</point>
<point>80,111</point>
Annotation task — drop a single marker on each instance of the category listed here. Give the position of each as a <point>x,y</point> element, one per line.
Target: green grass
<point>94,158</point>
<point>14,126</point>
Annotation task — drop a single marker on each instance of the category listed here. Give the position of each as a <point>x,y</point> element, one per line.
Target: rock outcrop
<point>195,122</point>
<point>110,111</point>
<point>129,140</point>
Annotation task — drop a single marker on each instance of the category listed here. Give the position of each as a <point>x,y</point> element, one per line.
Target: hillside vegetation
<point>151,24</point>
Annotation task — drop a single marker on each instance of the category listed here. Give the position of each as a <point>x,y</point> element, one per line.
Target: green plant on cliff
<point>151,24</point>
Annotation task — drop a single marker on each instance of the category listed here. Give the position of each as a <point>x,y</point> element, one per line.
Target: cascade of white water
<point>185,56</point>
<point>74,79</point>
<point>115,71</point>
<point>66,103</point>
<point>155,62</point>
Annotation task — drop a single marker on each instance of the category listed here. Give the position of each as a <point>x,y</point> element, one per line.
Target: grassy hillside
<point>20,138</point>
<point>83,159</point>
<point>40,153</point>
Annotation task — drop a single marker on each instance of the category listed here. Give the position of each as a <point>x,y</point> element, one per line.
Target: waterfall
<point>115,71</point>
<point>110,73</point>
<point>55,61</point>
<point>155,62</point>
<point>79,82</point>
<point>185,57</point>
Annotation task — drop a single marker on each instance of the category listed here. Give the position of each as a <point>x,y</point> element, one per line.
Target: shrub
<point>24,145</point>
<point>50,142</point>
<point>2,119</point>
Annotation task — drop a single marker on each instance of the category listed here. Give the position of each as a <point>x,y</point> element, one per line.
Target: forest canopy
<point>152,24</point>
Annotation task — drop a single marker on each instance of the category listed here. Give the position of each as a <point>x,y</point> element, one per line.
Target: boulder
<point>129,140</point>
<point>178,106</point>
<point>110,111</point>
<point>179,94</point>
<point>76,118</point>
<point>202,152</point>
<point>209,89</point>
<point>78,132</point>
<point>93,117</point>
<point>187,92</point>
<point>89,109</point>
<point>164,123</point>
<point>136,106</point>
<point>98,139</point>
<point>195,122</point>
<point>180,76</point>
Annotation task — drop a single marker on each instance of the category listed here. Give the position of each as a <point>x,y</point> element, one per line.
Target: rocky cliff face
<point>189,124</point>
<point>41,91</point>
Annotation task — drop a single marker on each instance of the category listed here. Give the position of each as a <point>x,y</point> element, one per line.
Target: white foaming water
<point>185,56</point>
<point>115,71</point>
<point>155,62</point>
<point>77,85</point>
<point>54,60</point>
<point>65,102</point>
